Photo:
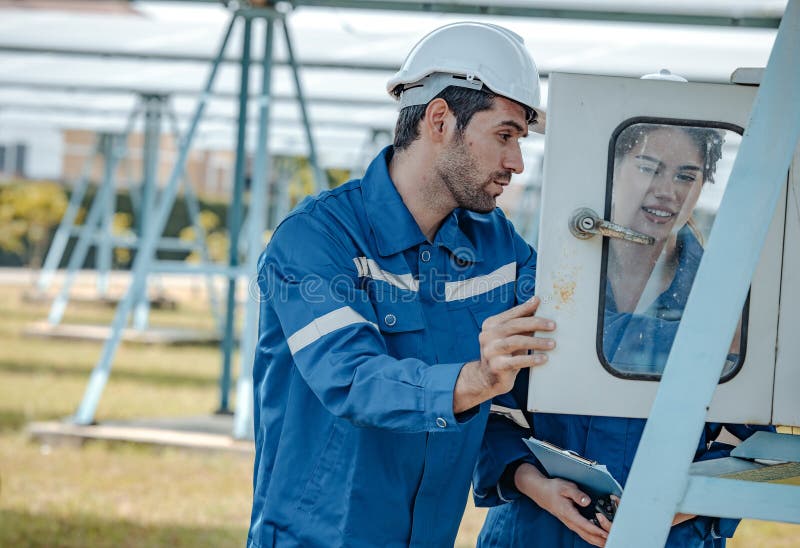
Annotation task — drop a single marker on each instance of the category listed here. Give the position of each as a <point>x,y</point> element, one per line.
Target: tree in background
<point>29,210</point>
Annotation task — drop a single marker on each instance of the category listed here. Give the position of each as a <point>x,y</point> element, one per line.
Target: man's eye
<point>685,177</point>
<point>648,168</point>
<point>506,137</point>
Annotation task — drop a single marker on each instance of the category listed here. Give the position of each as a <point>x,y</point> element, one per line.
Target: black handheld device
<point>598,505</point>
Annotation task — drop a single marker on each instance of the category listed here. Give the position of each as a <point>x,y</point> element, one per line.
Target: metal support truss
<point>145,262</point>
<point>111,150</point>
<point>320,180</point>
<point>234,219</point>
<point>259,205</point>
<point>61,237</point>
<point>144,258</point>
<point>96,230</point>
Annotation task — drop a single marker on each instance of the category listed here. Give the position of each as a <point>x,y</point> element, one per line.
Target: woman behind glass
<point>659,172</point>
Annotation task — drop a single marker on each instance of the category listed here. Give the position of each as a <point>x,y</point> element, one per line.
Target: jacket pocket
<point>401,322</point>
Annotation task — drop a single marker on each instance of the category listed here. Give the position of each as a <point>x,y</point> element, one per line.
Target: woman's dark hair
<point>707,140</point>
<point>463,102</point>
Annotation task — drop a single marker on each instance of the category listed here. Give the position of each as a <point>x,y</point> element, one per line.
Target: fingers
<point>528,308</point>
<point>603,522</point>
<point>585,529</point>
<point>559,497</point>
<point>524,325</point>
<point>507,345</point>
<point>578,497</point>
<point>525,361</point>
<point>515,343</point>
<point>594,540</point>
<point>590,532</point>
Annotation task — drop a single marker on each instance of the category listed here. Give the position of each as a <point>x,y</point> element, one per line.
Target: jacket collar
<point>452,237</point>
<point>392,223</point>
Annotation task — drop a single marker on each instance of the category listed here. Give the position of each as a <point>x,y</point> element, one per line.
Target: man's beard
<point>459,172</point>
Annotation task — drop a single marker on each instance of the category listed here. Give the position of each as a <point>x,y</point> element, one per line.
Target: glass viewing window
<point>665,179</point>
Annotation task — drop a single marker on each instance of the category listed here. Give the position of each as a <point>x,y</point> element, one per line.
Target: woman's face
<point>657,183</point>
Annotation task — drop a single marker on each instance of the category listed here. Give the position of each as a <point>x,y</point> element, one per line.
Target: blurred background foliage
<point>30,212</point>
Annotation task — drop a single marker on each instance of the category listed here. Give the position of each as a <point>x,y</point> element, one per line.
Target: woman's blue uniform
<point>516,521</point>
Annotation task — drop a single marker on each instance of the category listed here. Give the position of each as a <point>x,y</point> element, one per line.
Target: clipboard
<point>591,477</point>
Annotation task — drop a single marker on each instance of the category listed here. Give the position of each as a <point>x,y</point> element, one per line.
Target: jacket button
<point>441,423</point>
<point>390,319</point>
<point>425,256</point>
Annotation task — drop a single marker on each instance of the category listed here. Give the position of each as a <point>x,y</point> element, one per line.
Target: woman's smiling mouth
<point>658,215</point>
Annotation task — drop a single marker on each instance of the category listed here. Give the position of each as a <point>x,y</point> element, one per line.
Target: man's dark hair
<point>463,102</point>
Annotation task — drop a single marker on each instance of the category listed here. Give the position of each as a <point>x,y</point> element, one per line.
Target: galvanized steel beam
<point>127,90</point>
<point>259,205</point>
<point>235,220</point>
<point>188,58</point>
<point>146,255</point>
<point>739,16</point>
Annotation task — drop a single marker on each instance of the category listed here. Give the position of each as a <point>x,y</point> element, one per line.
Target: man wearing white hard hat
<point>395,308</point>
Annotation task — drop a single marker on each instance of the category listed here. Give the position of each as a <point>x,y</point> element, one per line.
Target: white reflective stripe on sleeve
<point>330,322</point>
<point>368,268</point>
<point>456,291</point>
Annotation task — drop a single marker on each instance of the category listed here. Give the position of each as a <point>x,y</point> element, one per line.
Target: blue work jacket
<point>609,440</point>
<point>364,327</point>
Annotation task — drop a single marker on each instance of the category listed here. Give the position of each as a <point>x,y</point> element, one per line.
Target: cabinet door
<point>652,157</point>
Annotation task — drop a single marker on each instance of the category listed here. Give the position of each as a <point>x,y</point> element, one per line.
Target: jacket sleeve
<point>310,280</point>
<point>501,450</point>
<point>502,444</point>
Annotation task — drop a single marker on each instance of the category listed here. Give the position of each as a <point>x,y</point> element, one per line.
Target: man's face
<point>476,165</point>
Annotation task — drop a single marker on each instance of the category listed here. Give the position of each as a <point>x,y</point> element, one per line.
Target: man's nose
<point>513,161</point>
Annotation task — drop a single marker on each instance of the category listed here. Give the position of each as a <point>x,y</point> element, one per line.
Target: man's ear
<point>439,121</point>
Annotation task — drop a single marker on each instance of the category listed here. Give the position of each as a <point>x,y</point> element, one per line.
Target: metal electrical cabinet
<point>653,157</point>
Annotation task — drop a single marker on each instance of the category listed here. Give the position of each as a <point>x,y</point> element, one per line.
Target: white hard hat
<point>470,55</point>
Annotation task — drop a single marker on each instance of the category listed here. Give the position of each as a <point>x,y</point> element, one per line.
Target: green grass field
<point>124,495</point>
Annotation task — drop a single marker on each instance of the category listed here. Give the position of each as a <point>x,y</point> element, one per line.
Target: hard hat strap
<point>423,91</point>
